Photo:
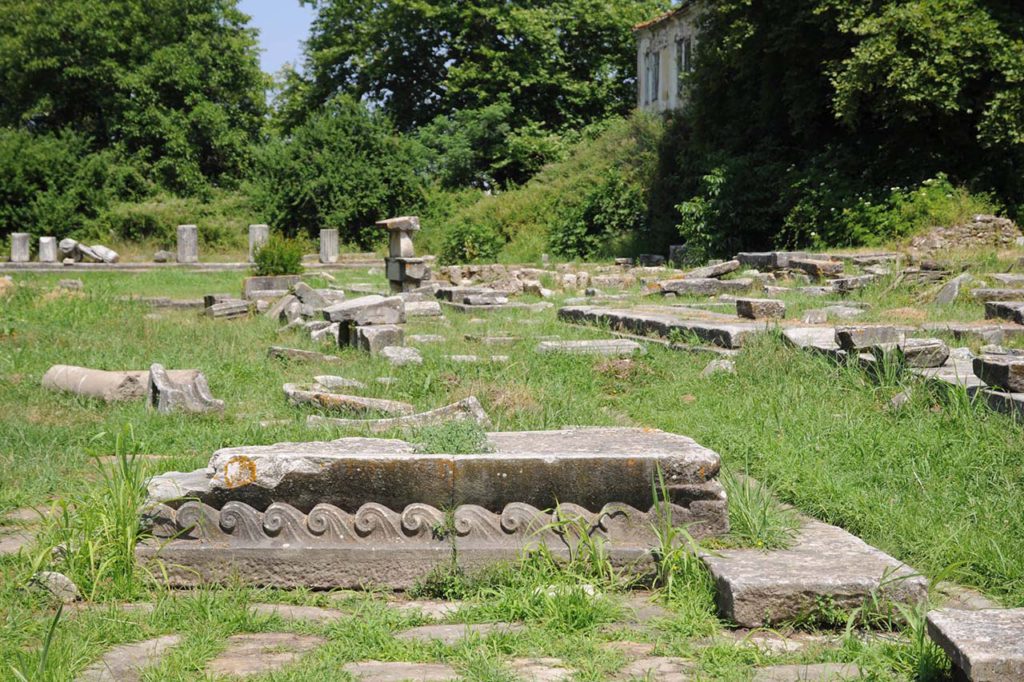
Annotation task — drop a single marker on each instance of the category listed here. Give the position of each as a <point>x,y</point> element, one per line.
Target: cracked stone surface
<point>818,672</point>
<point>376,671</point>
<point>313,614</point>
<point>451,634</point>
<point>540,669</point>
<point>431,609</point>
<point>126,662</point>
<point>657,669</point>
<point>630,649</point>
<point>986,645</point>
<point>265,652</point>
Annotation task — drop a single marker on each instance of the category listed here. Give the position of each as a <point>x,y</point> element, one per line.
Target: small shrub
<point>471,243</point>
<point>279,256</point>
<point>462,437</point>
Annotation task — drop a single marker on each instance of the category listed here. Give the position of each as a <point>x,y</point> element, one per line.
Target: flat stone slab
<point>1005,310</point>
<point>467,409</point>
<point>986,645</point>
<point>658,669</point>
<point>1001,371</point>
<point>327,400</point>
<point>312,614</point>
<point>756,588</point>
<point>664,321</point>
<point>377,671</point>
<point>14,542</point>
<point>540,669</point>
<point>282,353</point>
<point>816,672</point>
<point>260,653</point>
<point>429,609</point>
<point>127,662</point>
<point>707,286</point>
<point>605,347</point>
<point>452,634</point>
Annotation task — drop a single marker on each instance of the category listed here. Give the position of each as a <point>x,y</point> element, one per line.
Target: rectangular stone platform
<point>358,511</point>
<point>663,321</point>
<point>826,565</point>
<point>985,645</point>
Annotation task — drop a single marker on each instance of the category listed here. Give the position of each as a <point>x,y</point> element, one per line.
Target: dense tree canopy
<point>175,84</point>
<point>807,113</point>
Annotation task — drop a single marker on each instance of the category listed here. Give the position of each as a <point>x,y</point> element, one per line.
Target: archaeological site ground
<point>783,466</point>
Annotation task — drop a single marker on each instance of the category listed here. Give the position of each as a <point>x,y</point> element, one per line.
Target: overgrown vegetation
<point>279,256</point>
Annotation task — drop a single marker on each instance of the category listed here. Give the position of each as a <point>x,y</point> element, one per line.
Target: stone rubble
<point>168,395</point>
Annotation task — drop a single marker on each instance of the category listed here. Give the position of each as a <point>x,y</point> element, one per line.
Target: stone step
<point>756,588</point>
<point>985,645</point>
<point>265,652</point>
<point>127,662</point>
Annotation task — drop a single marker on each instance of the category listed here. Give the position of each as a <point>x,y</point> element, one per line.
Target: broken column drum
<point>328,246</point>
<point>358,512</point>
<point>405,272</point>
<point>20,247</point>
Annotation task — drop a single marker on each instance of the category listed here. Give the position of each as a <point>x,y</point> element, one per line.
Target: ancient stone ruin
<point>360,512</point>
<point>405,271</point>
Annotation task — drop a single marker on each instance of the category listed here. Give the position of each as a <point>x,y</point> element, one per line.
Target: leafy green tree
<point>529,68</point>
<point>174,84</point>
<point>344,168</point>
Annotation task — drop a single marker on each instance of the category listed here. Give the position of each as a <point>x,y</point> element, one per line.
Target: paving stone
<point>426,338</point>
<point>705,286</point>
<point>540,669</point>
<point>985,645</point>
<point>332,383</point>
<point>855,338</point>
<point>657,669</point>
<point>756,588</point>
<point>605,347</point>
<point>817,268</point>
<point>775,642</point>
<point>817,672</point>
<point>14,542</point>
<point>451,634</point>
<point>718,367</point>
<point>431,609</point>
<point>423,309</point>
<point>466,409</point>
<point>376,671</point>
<point>313,614</point>
<point>298,395</point>
<point>264,652</point>
<point>641,609</point>
<point>760,308</point>
<point>126,662</point>
<point>630,649</point>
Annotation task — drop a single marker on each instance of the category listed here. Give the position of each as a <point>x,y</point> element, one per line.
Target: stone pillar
<point>47,249</point>
<point>328,246</point>
<point>404,271</point>
<point>188,244</point>
<point>20,247</point>
<point>258,236</point>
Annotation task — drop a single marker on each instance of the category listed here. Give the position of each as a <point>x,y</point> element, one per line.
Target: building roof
<point>664,17</point>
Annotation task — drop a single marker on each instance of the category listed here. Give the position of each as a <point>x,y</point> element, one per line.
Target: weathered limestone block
<point>817,268</point>
<point>988,294</point>
<point>261,653</point>
<point>855,338</point>
<point>188,244</point>
<point>328,246</point>
<point>21,247</point>
<point>769,260</point>
<point>108,386</point>
<point>422,309</point>
<point>1005,372</point>
<point>268,287</point>
<point>464,410</point>
<point>950,291</point>
<point>924,353</point>
<point>661,321</point>
<point>401,231</point>
<point>705,287</point>
<point>756,588</point>
<point>214,299</point>
<point>760,308</point>
<point>258,236</point>
<point>230,309</point>
<point>1005,310</point>
<point>367,310</point>
<point>375,338</point>
<point>400,356</point>
<point>309,296</point>
<point>47,249</point>
<point>845,285</point>
<point>713,271</point>
<point>128,662</point>
<point>605,347</point>
<point>985,645</point>
<point>192,397</point>
<point>298,395</point>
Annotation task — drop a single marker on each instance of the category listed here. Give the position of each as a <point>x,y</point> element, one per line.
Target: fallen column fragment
<point>108,386</point>
<point>191,396</point>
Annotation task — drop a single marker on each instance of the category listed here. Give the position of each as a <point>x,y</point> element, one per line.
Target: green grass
<point>938,484</point>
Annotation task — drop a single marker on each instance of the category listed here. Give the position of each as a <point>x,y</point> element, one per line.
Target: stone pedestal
<point>47,249</point>
<point>188,244</point>
<point>405,271</point>
<point>20,247</point>
<point>258,236</point>
<point>328,246</point>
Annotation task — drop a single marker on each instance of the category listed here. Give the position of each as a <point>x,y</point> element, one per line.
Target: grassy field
<point>938,484</point>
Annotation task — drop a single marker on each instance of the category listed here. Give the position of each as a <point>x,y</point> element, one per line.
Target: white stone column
<point>328,246</point>
<point>47,249</point>
<point>258,236</point>
<point>188,244</point>
<point>20,247</point>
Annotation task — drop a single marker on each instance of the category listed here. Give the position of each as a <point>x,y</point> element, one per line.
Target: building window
<point>652,74</point>
<point>684,55</point>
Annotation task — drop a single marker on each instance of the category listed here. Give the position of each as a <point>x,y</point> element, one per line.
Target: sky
<point>283,25</point>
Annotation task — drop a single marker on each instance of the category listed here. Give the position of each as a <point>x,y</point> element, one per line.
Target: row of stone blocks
<point>370,323</point>
<point>21,248</point>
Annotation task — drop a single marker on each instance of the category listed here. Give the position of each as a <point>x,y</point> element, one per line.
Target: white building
<point>664,56</point>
